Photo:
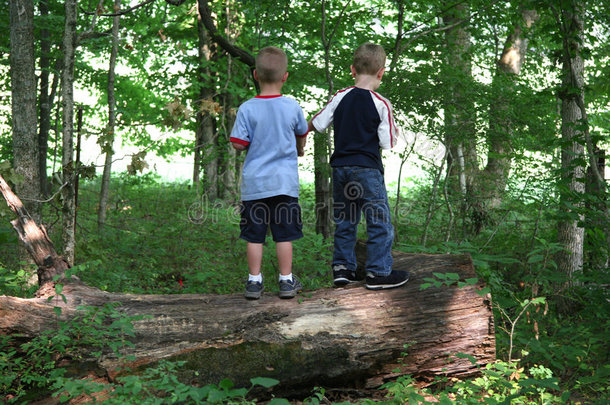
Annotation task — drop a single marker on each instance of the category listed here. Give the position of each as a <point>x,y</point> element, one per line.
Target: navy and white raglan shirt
<point>363,122</point>
<point>267,125</point>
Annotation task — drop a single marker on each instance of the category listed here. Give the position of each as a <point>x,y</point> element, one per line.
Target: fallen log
<point>347,337</point>
<point>36,240</point>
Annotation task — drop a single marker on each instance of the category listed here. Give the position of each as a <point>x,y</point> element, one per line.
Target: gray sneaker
<point>254,289</point>
<point>289,289</point>
<point>342,276</point>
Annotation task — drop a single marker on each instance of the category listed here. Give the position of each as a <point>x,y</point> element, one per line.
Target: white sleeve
<point>324,118</point>
<point>387,131</point>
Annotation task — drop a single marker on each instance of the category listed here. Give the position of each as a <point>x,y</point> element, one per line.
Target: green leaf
<point>278,401</point>
<point>425,286</point>
<point>57,311</point>
<point>453,276</point>
<point>226,384</point>
<point>550,383</point>
<point>539,300</point>
<point>461,355</point>
<point>264,382</point>
<point>216,395</point>
<point>535,259</point>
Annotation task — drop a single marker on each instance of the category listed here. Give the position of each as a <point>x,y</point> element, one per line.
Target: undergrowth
<point>162,238</point>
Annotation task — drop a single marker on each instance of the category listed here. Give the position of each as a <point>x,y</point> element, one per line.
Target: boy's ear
<point>380,73</point>
<point>255,74</point>
<point>351,67</point>
<point>284,78</point>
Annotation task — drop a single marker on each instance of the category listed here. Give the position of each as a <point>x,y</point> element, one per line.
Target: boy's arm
<point>240,138</point>
<point>387,131</point>
<point>310,126</point>
<point>301,141</point>
<point>239,147</point>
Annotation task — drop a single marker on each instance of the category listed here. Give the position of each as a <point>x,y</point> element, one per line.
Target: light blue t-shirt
<point>268,126</point>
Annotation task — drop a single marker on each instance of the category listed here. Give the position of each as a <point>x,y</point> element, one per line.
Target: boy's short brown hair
<point>271,64</point>
<point>369,58</point>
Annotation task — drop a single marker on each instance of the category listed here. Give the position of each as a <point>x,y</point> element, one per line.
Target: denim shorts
<point>281,213</point>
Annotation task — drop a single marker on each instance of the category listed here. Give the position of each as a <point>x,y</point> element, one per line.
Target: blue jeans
<point>356,191</point>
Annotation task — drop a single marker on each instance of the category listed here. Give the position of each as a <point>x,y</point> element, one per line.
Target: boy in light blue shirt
<point>267,126</point>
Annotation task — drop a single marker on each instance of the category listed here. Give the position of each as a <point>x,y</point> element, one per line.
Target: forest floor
<point>162,238</point>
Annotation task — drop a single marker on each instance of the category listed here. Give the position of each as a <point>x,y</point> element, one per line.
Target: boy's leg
<point>380,234</point>
<point>254,284</point>
<point>254,251</point>
<point>254,223</point>
<point>286,226</point>
<point>284,257</point>
<point>346,215</point>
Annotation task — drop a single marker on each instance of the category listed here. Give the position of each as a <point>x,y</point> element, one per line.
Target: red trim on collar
<point>273,96</point>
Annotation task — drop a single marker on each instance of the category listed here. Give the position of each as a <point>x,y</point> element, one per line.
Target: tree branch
<point>127,10</point>
<point>233,50</point>
<point>130,9</point>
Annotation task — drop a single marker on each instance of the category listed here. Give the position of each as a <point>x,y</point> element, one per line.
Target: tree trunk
<point>348,337</point>
<point>23,96</point>
<point>67,100</point>
<point>230,190</point>
<point>322,142</point>
<point>231,187</point>
<point>499,160</point>
<point>597,237</point>
<point>322,172</point>
<point>44,101</point>
<point>570,232</point>
<point>36,241</point>
<point>109,141</point>
<point>460,136</point>
<point>205,147</point>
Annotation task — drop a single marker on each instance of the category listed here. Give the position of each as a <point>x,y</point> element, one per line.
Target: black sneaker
<point>342,276</point>
<point>254,289</point>
<point>289,289</point>
<point>395,279</point>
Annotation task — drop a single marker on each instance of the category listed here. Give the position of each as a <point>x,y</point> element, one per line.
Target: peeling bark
<point>35,239</point>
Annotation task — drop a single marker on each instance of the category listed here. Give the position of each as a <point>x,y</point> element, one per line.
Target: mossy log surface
<point>347,337</point>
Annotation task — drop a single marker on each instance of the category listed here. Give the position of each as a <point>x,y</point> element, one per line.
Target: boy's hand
<point>310,126</point>
<point>300,151</point>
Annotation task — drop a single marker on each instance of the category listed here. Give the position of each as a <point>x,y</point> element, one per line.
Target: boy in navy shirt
<point>363,123</point>
<point>266,126</point>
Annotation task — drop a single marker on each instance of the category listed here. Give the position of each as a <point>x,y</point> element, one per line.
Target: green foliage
<point>498,383</point>
<point>162,238</point>
<point>447,279</point>
<point>159,385</point>
<point>182,248</point>
<point>15,282</point>
<point>34,367</point>
<point>27,367</point>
